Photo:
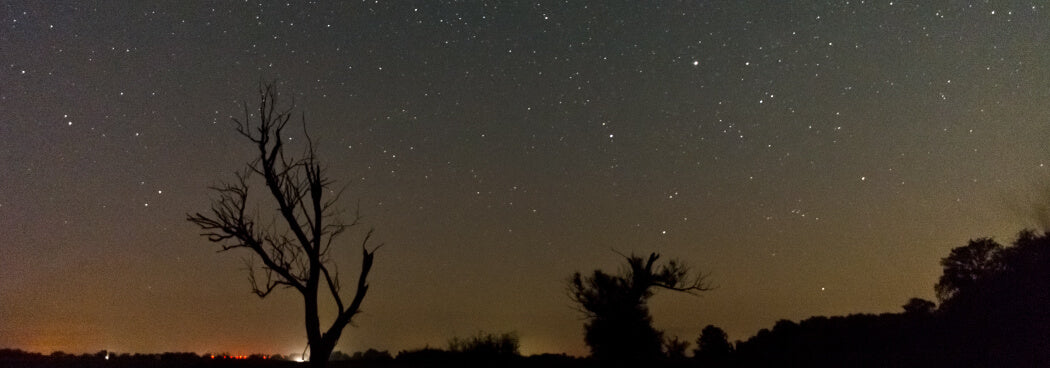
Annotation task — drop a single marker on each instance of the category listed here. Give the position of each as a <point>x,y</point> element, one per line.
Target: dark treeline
<point>482,350</point>
<point>103,359</point>
<point>994,311</point>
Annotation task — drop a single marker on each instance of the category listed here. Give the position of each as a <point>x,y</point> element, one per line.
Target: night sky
<point>815,158</point>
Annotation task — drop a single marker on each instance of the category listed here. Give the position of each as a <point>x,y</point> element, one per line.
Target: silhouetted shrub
<point>486,344</point>
<point>372,355</point>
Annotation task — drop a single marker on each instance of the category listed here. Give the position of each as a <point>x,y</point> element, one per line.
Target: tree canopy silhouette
<point>919,306</point>
<point>997,312</point>
<point>713,348</point>
<point>966,265</point>
<point>619,330</point>
<point>295,244</point>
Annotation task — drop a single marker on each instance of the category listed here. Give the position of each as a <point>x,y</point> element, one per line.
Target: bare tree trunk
<point>319,355</point>
<point>313,328</point>
<point>295,256</point>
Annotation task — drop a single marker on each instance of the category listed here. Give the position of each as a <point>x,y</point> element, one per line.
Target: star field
<point>815,158</point>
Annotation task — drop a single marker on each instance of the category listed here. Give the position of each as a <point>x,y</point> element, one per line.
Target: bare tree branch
<point>294,244</point>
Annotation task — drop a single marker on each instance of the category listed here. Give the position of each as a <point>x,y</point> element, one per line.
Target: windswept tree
<point>619,328</point>
<point>294,244</point>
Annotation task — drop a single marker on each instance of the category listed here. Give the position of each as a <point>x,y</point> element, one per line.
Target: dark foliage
<point>103,359</point>
<point>435,358</point>
<point>919,306</point>
<point>372,355</point>
<point>674,349</point>
<point>1001,317</point>
<point>486,344</point>
<point>369,359</point>
<point>995,312</point>
<point>619,328</point>
<point>713,348</point>
<point>860,340</point>
<point>967,265</point>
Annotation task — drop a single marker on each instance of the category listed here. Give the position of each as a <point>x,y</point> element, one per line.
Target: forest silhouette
<point>992,313</point>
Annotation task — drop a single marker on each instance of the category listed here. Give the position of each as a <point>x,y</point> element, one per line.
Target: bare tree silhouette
<point>294,245</point>
<point>619,330</point>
